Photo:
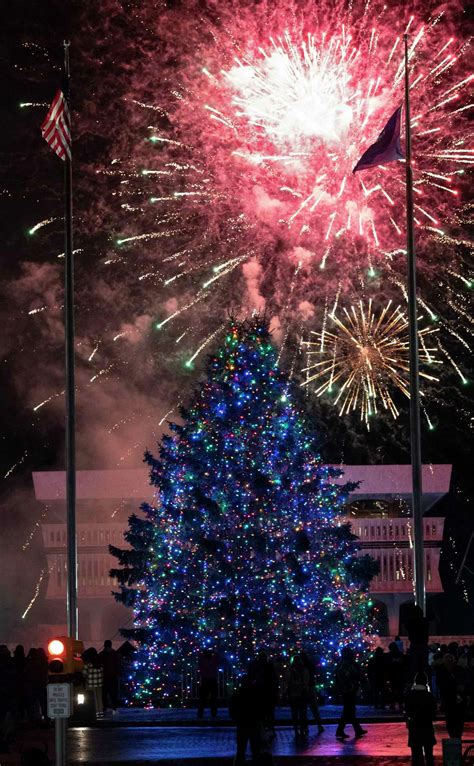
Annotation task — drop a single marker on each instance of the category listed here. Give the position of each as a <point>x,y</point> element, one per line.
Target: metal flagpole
<point>415,428</point>
<point>70,384</point>
<point>463,562</point>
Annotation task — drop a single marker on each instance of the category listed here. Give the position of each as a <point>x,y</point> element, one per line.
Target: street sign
<point>59,700</point>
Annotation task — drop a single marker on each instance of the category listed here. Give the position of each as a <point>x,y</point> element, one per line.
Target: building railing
<point>93,574</point>
<point>378,536</point>
<point>377,530</point>
<point>396,570</point>
<point>382,530</point>
<point>93,535</point>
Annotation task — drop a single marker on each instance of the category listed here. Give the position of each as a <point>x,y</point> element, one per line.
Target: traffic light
<point>64,655</point>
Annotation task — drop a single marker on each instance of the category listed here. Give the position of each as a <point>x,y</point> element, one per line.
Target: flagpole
<point>70,384</point>
<point>415,427</point>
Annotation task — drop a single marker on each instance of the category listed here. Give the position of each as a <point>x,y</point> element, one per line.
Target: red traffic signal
<point>56,647</point>
<point>65,656</point>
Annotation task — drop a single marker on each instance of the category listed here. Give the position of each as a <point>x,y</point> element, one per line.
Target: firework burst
<point>365,357</point>
<point>227,183</point>
<point>262,126</point>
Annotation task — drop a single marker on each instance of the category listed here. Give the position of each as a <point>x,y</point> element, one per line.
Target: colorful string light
<point>243,548</point>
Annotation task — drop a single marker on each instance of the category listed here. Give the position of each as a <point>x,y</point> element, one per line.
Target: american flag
<point>56,128</point>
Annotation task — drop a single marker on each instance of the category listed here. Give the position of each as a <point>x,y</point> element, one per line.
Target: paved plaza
<point>196,745</point>
<point>172,716</point>
<point>142,745</point>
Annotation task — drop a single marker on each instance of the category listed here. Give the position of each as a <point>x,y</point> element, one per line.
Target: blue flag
<point>387,147</point>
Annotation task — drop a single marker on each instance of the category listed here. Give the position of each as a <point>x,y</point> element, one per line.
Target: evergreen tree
<point>243,548</point>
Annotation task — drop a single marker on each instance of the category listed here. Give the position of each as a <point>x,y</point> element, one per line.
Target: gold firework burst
<point>365,357</point>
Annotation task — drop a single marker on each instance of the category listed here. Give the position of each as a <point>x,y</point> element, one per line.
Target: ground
<point>141,737</point>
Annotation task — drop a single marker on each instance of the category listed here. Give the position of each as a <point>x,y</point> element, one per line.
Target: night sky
<point>129,374</point>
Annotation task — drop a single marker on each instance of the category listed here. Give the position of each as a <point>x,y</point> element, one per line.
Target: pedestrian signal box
<point>64,656</point>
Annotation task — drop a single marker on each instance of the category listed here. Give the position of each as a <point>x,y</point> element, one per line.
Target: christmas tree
<point>243,548</point>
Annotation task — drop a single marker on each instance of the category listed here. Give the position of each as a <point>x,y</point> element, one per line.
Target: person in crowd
<point>377,673</point>
<point>396,673</point>
<point>127,653</point>
<point>208,665</point>
<point>453,648</point>
<point>34,756</point>
<point>279,663</point>
<point>42,689</point>
<point>399,643</point>
<point>19,658</point>
<point>26,684</point>
<point>470,678</point>
<point>93,673</point>
<point>348,680</point>
<point>420,710</point>
<point>262,673</point>
<point>470,656</point>
<point>463,660</point>
<point>8,682</point>
<point>246,712</point>
<point>312,695</point>
<point>110,662</point>
<point>436,663</point>
<point>451,688</point>
<point>418,635</point>
<point>297,687</point>
<point>35,681</point>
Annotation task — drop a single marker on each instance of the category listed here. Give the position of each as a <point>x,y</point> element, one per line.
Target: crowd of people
<point>418,684</point>
<point>268,683</point>
<point>449,669</point>
<point>24,679</point>
<point>443,682</point>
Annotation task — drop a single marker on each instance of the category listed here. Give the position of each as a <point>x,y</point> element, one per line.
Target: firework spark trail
<point>428,419</point>
<point>121,423</point>
<point>199,297</point>
<point>15,465</point>
<point>225,269</point>
<point>25,104</point>
<point>93,352</point>
<point>74,252</point>
<point>286,309</point>
<point>205,343</point>
<point>103,371</point>
<point>36,527</point>
<point>127,454</point>
<point>167,414</point>
<point>40,225</point>
<point>45,401</point>
<point>38,311</point>
<point>451,360</point>
<point>36,593</point>
<point>183,335</point>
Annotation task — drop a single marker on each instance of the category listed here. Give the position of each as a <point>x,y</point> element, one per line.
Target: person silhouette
<point>420,710</point>
<point>348,678</point>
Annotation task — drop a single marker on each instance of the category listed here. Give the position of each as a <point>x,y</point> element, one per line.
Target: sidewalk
<point>384,745</point>
<point>188,716</point>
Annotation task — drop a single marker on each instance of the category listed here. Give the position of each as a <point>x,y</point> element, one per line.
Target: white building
<point>378,511</point>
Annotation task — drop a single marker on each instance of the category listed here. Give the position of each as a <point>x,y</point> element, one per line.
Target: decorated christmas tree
<point>243,548</point>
